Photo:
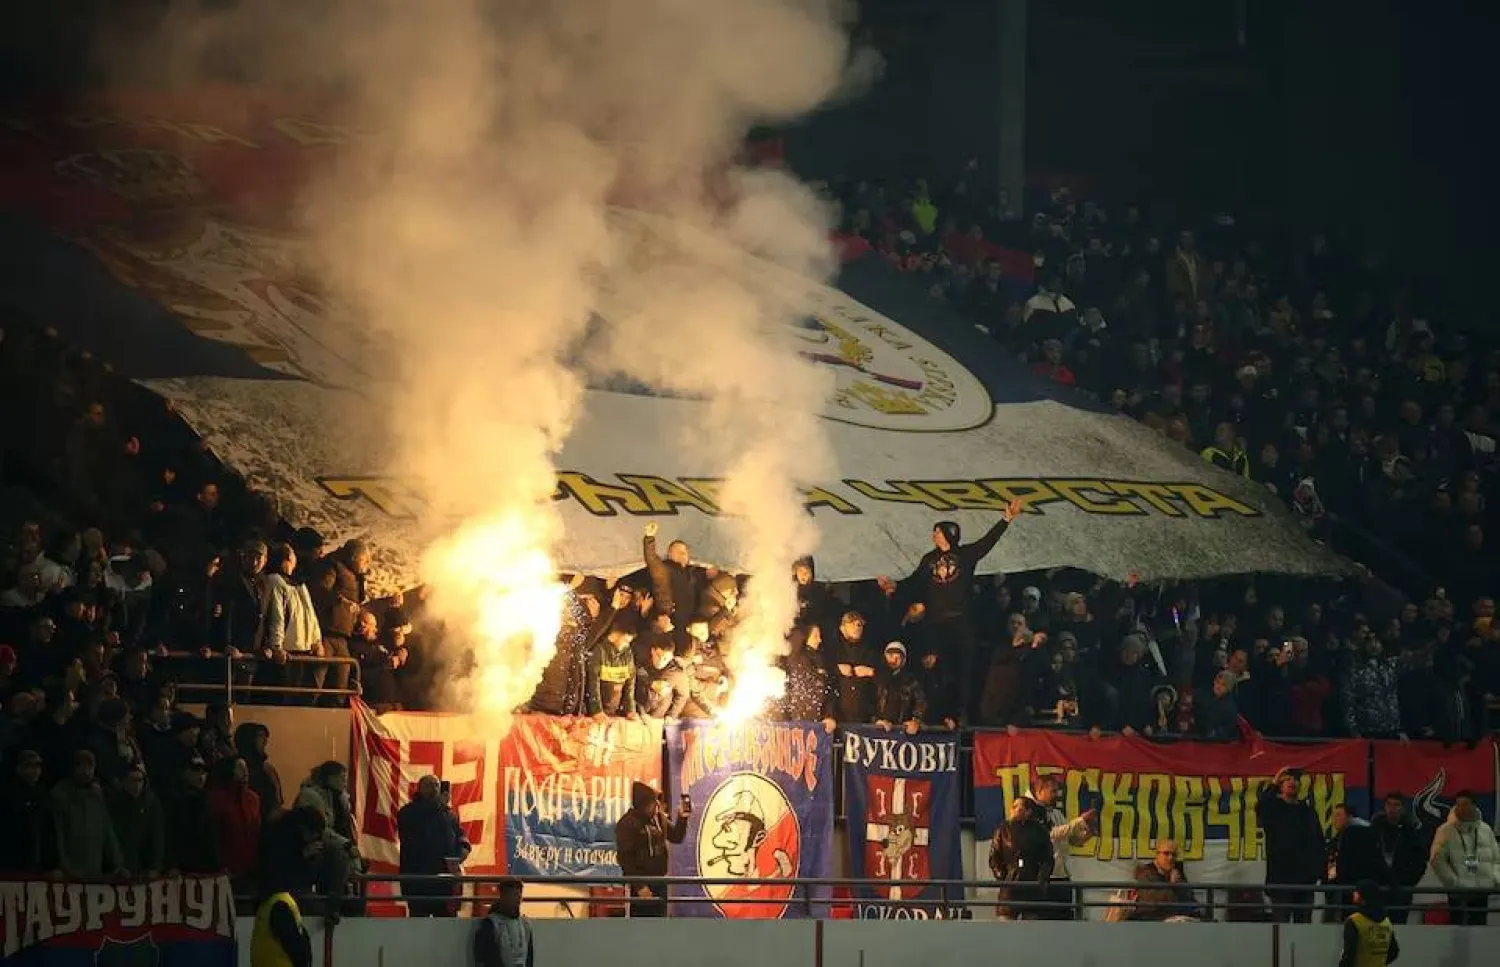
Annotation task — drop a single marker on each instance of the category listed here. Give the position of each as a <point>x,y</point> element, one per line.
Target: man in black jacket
<point>809,688</point>
<point>1403,859</point>
<point>1021,859</point>
<point>1352,858</point>
<point>676,583</point>
<point>641,838</point>
<point>898,694</point>
<point>1294,848</point>
<point>431,845</point>
<point>938,593</point>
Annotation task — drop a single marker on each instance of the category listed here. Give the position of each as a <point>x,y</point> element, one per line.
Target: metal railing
<point>814,895</point>
<point>232,669</point>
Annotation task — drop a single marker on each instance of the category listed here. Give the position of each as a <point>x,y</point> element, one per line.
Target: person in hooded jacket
<point>591,610</point>
<point>939,590</point>
<point>140,825</point>
<point>719,605</point>
<point>84,836</point>
<point>1465,856</point>
<point>1353,857</point>
<point>815,605</point>
<point>1402,854</point>
<point>611,676</point>
<point>251,740</point>
<point>237,817</point>
<point>667,689</point>
<point>809,689</point>
<point>1369,938</point>
<point>851,666</point>
<point>1021,859</point>
<point>192,840</point>
<point>641,838</point>
<point>23,817</point>
<point>431,842</point>
<point>899,699</point>
<point>677,585</point>
<point>1294,847</point>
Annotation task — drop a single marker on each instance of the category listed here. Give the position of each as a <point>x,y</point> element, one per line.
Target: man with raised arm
<point>939,591</point>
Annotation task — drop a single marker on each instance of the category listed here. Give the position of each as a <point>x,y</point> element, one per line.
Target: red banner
<point>1200,794</point>
<point>1430,774</point>
<point>541,799</point>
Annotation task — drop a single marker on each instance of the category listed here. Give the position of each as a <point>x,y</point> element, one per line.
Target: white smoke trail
<point>468,232</point>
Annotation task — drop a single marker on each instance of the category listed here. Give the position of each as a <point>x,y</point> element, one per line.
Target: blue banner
<point>901,799</point>
<point>762,798</point>
<point>167,922</point>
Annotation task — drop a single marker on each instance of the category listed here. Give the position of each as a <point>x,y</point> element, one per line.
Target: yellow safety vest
<point>265,949</point>
<point>1374,940</point>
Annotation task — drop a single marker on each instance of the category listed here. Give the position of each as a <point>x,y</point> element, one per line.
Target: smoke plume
<point>471,236</point>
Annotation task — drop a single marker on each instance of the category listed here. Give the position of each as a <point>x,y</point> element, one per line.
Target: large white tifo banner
<point>924,424</point>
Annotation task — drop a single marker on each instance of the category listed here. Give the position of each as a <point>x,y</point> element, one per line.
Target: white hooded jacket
<point>1465,854</point>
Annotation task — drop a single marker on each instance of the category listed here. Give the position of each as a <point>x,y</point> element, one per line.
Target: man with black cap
<point>641,838</point>
<point>938,593</point>
<point>1369,938</point>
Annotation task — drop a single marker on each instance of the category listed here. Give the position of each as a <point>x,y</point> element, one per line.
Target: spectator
<point>215,733</point>
<point>1021,860</point>
<point>432,845</point>
<point>236,603</point>
<point>23,816</point>
<point>1403,860</point>
<point>192,839</point>
<point>1465,857</point>
<point>1163,893</point>
<point>236,813</point>
<point>611,676</point>
<point>641,838</point>
<point>1218,718</point>
<point>815,605</point>
<point>338,598</point>
<point>288,621</point>
<point>79,817</point>
<point>809,687</point>
<point>503,938</point>
<point>852,669</point>
<point>937,593</point>
<point>667,686</point>
<point>677,584</point>
<point>139,824</point>
<point>326,790</point>
<point>719,606</point>
<point>1294,848</point>
<point>112,741</point>
<point>251,743</point>
<point>1353,856</point>
<point>1372,706</point>
<point>899,700</point>
<point>1065,834</point>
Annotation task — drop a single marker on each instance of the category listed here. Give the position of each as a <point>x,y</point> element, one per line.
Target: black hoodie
<point>943,580</point>
<point>815,606</point>
<point>265,782</point>
<point>642,835</point>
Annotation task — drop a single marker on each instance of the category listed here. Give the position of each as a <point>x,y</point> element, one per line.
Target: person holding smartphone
<point>432,846</point>
<point>641,838</point>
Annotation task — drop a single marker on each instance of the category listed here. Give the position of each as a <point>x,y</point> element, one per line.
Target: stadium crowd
<point>149,569</point>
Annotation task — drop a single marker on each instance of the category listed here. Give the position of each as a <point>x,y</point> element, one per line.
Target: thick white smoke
<point>469,233</point>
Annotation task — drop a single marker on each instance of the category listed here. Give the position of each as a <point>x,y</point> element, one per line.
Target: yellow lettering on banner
<point>310,133</point>
<point>901,492</point>
<point>376,490</point>
<point>1118,810</point>
<point>819,497</point>
<point>1187,816</point>
<point>881,399</point>
<point>962,494</point>
<point>710,487</point>
<point>1206,502</point>
<point>1326,791</point>
<point>1230,816</point>
<point>1031,493</point>
<point>1094,497</point>
<point>664,496</point>
<point>1158,496</point>
<point>601,499</point>
<point>1154,793</point>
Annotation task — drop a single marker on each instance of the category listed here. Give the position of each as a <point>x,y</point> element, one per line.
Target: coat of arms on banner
<point>898,831</point>
<point>749,830</point>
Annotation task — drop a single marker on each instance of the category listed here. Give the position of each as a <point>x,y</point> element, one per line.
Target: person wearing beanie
<point>1369,938</point>
<point>641,838</point>
<point>938,594</point>
<point>899,698</point>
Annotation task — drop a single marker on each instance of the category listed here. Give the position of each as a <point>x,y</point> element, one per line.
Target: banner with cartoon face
<point>762,809</point>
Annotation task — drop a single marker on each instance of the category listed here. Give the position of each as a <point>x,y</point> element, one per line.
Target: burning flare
<point>494,584</point>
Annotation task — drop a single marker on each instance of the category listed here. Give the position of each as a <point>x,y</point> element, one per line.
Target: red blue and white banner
<point>178,921</point>
<point>901,799</point>
<point>762,796</point>
<point>541,799</point>
<point>1200,794</point>
<point>1430,775</point>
